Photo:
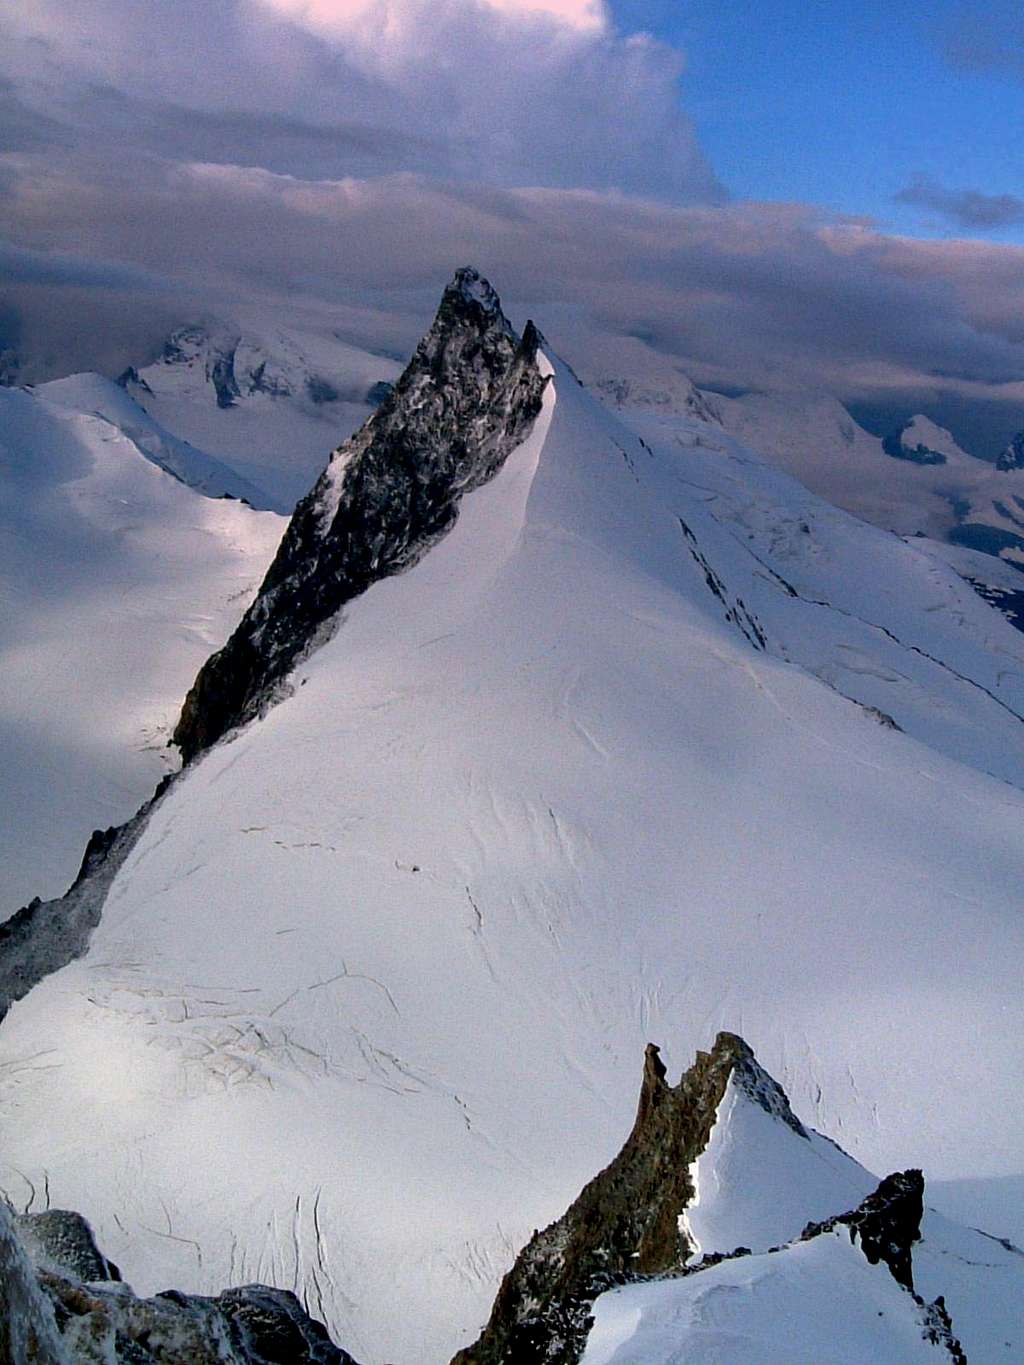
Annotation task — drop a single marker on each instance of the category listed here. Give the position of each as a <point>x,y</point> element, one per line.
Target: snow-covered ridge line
<point>467,398</point>
<point>111,403</point>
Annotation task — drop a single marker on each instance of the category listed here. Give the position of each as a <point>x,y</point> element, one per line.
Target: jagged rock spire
<point>467,398</point>
<point>625,1222</point>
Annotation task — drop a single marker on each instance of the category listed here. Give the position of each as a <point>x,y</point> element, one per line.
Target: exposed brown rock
<point>626,1221</point>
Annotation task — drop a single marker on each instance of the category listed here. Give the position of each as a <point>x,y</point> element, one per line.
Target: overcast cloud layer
<point>162,160</point>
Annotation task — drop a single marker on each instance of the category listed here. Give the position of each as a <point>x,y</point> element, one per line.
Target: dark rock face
<point>62,1243</point>
<point>44,936</point>
<point>988,540</point>
<point>59,1305</point>
<point>321,390</point>
<point>222,376</point>
<point>131,379</point>
<point>626,1221</point>
<point>920,454</point>
<point>1013,456</point>
<point>1011,604</point>
<point>886,1225</point>
<point>189,344</point>
<point>260,381</point>
<point>469,395</point>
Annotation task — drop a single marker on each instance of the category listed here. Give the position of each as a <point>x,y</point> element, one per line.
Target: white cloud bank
<point>340,17</point>
<point>349,154</point>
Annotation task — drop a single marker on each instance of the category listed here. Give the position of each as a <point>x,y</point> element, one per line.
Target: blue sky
<point>845,104</point>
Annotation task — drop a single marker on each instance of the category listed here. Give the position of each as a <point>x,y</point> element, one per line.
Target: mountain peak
<point>469,286</point>
<point>469,395</point>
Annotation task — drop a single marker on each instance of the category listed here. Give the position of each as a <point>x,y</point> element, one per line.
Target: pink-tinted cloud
<point>507,94</point>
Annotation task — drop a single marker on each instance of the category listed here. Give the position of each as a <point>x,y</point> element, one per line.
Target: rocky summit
<point>466,399</point>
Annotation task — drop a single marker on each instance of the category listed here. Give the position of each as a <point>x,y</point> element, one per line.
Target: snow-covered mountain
<point>268,401</point>
<point>96,396</point>
<point>620,735</point>
<point>917,481</point>
<point>671,393</point>
<point>922,441</point>
<point>117,580</point>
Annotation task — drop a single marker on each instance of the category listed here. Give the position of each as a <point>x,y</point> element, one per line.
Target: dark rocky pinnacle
<point>467,398</point>
<point>886,1225</point>
<point>1013,456</point>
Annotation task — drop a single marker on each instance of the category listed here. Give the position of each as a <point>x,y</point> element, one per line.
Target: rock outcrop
<point>468,396</point>
<point>901,447</point>
<point>626,1222</point>
<point>63,1303</point>
<point>44,936</point>
<point>626,1227</point>
<point>1013,456</point>
<point>886,1225</point>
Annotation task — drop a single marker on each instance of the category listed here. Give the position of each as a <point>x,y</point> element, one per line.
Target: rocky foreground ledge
<point>63,1303</point>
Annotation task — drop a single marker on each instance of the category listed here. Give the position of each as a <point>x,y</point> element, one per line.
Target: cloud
<point>520,92</point>
<point>22,265</point>
<point>758,296</point>
<point>968,209</point>
<point>197,158</point>
<point>339,17</point>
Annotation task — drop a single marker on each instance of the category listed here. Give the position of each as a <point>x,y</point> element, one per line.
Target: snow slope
<point>100,397</point>
<point>366,1000</point>
<point>116,581</point>
<point>759,1184</point>
<point>814,1302</point>
<point>268,401</point>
